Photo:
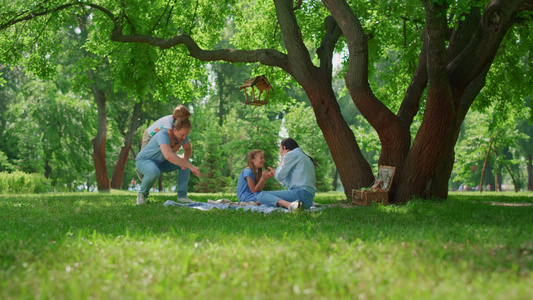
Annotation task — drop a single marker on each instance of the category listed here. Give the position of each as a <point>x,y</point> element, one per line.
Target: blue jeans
<point>271,197</point>
<point>152,171</point>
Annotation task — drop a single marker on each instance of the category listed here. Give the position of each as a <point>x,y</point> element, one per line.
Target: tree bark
<point>98,142</point>
<point>118,171</point>
<point>484,168</point>
<point>47,169</point>
<point>335,178</point>
<point>220,85</point>
<point>468,51</point>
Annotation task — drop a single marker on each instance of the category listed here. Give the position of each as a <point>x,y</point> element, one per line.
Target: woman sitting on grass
<point>253,178</point>
<point>297,173</point>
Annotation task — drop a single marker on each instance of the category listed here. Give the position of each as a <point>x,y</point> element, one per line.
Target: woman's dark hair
<point>291,144</point>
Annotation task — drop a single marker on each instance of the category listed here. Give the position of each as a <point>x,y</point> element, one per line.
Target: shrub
<point>20,182</point>
<point>5,165</point>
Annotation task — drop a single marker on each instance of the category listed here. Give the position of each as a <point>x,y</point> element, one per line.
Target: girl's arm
<point>171,136</point>
<point>259,186</point>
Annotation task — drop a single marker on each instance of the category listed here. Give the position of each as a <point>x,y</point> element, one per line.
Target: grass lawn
<point>103,246</point>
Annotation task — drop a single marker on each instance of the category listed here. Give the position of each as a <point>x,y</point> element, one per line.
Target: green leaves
<point>51,130</point>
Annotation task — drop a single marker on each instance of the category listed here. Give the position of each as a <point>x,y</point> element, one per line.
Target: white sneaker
<point>185,200</point>
<point>140,199</point>
<point>295,205</point>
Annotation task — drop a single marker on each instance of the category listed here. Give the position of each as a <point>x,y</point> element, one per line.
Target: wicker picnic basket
<point>379,192</point>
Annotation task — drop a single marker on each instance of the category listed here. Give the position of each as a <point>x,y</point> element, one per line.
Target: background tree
<point>486,138</point>
<point>525,146</point>
<point>52,131</point>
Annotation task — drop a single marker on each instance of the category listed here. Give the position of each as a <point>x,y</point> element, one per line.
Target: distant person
<point>253,178</point>
<point>297,174</point>
<point>158,156</point>
<point>489,187</point>
<point>133,183</point>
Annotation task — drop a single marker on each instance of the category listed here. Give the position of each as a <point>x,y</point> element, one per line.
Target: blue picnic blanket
<point>255,208</point>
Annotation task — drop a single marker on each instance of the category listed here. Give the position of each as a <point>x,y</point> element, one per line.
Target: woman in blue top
<point>297,173</point>
<point>252,178</point>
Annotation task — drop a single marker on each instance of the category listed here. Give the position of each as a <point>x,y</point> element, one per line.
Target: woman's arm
<point>288,161</point>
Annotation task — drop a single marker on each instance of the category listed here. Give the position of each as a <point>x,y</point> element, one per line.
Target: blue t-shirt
<point>243,189</point>
<point>152,150</point>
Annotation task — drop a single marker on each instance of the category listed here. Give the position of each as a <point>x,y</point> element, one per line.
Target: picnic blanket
<point>228,204</point>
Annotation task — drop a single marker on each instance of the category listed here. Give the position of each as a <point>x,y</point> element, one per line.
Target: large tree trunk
<point>118,171</point>
<point>354,170</point>
<point>436,129</point>
<point>100,167</point>
<point>469,57</point>
<point>438,186</point>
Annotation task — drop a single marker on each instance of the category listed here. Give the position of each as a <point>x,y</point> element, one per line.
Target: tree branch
<point>356,40</point>
<point>327,46</point>
<point>464,33</point>
<point>298,5</point>
<point>411,101</point>
<point>268,57</point>
<point>29,15</point>
<point>378,115</point>
<point>497,18</point>
<point>33,14</point>
<point>292,37</point>
<point>161,16</point>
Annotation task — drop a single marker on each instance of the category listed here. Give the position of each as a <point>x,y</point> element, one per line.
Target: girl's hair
<point>291,144</point>
<point>181,111</point>
<point>257,172</point>
<point>182,123</point>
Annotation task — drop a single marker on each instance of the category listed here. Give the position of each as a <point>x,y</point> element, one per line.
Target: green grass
<point>103,246</point>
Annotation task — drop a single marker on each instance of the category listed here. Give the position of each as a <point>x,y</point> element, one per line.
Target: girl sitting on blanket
<point>253,178</point>
<point>297,173</point>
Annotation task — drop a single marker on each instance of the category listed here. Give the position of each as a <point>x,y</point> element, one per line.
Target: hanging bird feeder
<point>259,82</point>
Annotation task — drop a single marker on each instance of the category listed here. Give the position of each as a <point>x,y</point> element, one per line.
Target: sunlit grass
<point>89,245</point>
